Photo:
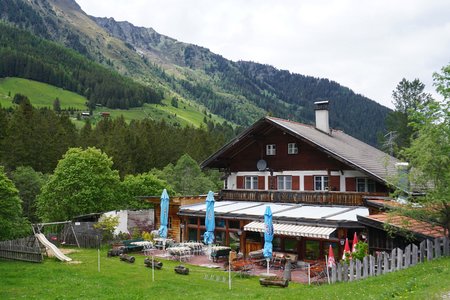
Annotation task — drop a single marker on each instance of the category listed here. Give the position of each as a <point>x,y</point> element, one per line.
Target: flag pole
<point>326,266</point>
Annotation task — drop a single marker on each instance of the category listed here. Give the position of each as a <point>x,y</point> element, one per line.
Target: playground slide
<point>52,248</point>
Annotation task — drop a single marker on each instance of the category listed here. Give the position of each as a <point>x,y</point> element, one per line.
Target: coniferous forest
<point>39,137</point>
<point>27,56</point>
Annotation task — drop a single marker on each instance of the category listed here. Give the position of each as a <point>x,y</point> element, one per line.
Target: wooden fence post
<point>379,263</point>
<point>371,265</point>
<point>399,259</point>
<point>386,260</point>
<point>346,275</point>
<point>351,269</point>
<point>422,250</point>
<point>393,260</point>
<point>333,274</point>
<point>415,253</point>
<point>339,272</point>
<point>407,261</point>
<point>358,269</point>
<point>437,247</point>
<point>446,241</point>
<point>429,250</point>
<point>365,273</point>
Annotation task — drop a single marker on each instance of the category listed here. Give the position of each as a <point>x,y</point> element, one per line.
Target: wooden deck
<point>307,197</point>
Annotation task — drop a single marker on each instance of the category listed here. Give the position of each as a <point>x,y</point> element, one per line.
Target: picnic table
<point>180,252</point>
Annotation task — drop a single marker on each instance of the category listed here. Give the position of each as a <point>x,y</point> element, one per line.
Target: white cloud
<point>368,46</point>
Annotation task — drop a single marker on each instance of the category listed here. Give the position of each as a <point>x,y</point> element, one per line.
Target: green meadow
<point>119,280</point>
<point>43,95</point>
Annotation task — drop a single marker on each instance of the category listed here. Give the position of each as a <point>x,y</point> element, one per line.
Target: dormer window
<point>271,149</point>
<point>292,148</point>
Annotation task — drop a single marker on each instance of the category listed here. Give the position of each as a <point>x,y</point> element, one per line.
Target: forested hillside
<point>244,91</point>
<point>240,92</point>
<point>27,56</point>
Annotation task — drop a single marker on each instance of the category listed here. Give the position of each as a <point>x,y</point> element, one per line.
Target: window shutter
<point>350,184</point>
<point>309,183</point>
<point>261,182</point>
<point>273,184</point>
<point>335,183</point>
<point>240,182</point>
<point>295,183</point>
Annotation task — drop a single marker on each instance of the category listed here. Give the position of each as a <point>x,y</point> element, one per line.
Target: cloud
<point>368,46</point>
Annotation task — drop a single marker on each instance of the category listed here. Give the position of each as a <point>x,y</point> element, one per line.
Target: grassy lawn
<point>119,280</point>
<point>40,94</point>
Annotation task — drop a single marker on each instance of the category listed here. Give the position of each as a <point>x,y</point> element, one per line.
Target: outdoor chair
<point>148,248</point>
<point>318,273</point>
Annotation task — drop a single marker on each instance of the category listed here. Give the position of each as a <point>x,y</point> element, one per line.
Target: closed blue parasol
<point>210,223</point>
<point>268,235</point>
<point>164,214</point>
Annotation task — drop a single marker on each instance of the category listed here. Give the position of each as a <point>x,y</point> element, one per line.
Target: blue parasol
<point>164,214</point>
<point>210,223</point>
<point>268,235</point>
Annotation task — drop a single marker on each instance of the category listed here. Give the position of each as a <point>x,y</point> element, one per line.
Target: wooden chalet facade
<point>313,177</point>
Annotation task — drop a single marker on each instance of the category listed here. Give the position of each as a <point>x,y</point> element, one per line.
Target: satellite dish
<point>261,165</point>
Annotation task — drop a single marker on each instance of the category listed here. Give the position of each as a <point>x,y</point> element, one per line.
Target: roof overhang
<point>293,230</point>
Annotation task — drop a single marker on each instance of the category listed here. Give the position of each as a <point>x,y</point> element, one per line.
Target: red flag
<point>346,248</point>
<point>331,261</point>
<point>355,241</point>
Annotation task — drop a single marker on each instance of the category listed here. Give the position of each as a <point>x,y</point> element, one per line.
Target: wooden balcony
<point>307,197</point>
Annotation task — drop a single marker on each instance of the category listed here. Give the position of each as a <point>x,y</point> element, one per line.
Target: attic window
<point>271,149</point>
<point>292,148</point>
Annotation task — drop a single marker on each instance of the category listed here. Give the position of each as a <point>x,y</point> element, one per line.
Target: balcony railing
<point>308,197</point>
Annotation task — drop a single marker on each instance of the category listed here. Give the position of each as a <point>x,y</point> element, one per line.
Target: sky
<point>368,46</point>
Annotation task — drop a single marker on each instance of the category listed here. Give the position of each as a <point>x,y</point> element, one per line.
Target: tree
<point>19,98</point>
<point>429,154</point>
<point>12,224</point>
<point>57,105</point>
<point>83,182</point>
<point>186,177</point>
<point>145,184</point>
<point>409,96</point>
<point>29,183</point>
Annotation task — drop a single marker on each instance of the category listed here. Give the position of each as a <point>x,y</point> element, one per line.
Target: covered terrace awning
<point>293,230</point>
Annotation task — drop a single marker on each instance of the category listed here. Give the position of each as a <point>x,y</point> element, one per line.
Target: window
<point>251,182</point>
<point>284,182</point>
<point>271,149</point>
<point>365,185</point>
<point>312,250</point>
<point>321,183</point>
<point>292,148</point>
<point>290,245</point>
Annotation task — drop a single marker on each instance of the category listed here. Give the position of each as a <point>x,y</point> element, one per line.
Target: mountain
<point>240,92</point>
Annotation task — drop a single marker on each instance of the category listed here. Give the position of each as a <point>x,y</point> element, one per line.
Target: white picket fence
<point>384,262</point>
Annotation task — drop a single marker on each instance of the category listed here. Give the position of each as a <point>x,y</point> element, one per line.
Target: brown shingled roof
<point>337,144</point>
<point>417,227</point>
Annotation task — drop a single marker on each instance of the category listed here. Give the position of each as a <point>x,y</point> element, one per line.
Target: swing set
<point>57,232</point>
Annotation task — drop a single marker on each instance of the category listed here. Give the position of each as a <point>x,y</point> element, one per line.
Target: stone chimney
<point>322,118</point>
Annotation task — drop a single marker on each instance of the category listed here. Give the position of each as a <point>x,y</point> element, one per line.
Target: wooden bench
<point>129,247</point>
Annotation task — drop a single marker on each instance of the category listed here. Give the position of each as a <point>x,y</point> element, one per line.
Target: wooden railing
<point>309,197</point>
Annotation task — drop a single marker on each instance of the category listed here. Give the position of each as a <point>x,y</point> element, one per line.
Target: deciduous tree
<point>83,182</point>
<point>12,224</point>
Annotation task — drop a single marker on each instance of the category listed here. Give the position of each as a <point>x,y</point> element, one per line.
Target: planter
<point>156,264</point>
<point>276,281</point>
<point>127,258</point>
<point>181,270</point>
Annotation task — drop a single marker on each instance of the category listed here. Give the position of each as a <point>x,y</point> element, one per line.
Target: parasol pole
<point>153,268</point>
